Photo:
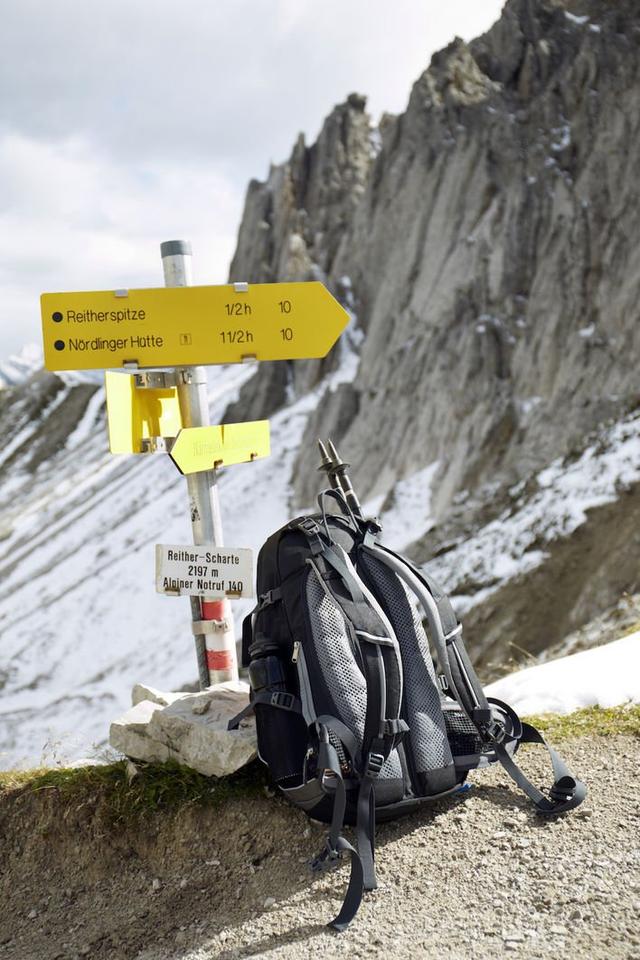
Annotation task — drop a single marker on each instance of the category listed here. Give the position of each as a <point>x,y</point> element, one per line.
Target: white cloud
<point>131,122</point>
<point>75,219</point>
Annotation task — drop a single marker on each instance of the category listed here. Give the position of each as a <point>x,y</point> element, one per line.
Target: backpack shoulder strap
<point>381,733</point>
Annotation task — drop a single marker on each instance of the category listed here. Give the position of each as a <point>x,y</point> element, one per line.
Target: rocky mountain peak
<point>293,222</point>
<point>454,78</point>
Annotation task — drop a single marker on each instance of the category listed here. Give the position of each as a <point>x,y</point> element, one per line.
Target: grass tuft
<point>166,787</point>
<point>590,721</point>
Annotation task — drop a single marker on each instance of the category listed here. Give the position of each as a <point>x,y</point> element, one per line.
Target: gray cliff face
<point>486,247</point>
<point>488,250</point>
<point>292,229</point>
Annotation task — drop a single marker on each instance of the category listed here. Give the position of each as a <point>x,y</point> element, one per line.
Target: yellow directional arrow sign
<point>186,326</point>
<point>203,448</point>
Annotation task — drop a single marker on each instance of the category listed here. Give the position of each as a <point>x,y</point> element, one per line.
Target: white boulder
<point>190,728</point>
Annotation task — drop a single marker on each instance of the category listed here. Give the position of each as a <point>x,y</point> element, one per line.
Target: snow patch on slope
<point>19,367</point>
<point>409,515</point>
<point>605,676</point>
<point>516,541</point>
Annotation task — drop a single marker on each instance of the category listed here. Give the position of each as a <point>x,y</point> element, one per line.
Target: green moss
<point>590,721</point>
<point>122,797</point>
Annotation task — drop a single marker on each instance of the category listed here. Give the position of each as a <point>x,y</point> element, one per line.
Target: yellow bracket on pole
<point>139,417</point>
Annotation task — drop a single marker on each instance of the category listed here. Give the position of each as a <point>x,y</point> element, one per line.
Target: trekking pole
<point>338,472</point>
<point>326,466</point>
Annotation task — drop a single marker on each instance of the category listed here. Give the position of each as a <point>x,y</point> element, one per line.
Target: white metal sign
<point>204,571</point>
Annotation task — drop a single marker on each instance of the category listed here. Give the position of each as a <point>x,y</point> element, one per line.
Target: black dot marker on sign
<point>59,344</point>
<point>56,317</point>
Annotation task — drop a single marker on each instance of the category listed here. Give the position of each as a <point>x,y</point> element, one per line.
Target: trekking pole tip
<point>325,459</point>
<point>335,456</point>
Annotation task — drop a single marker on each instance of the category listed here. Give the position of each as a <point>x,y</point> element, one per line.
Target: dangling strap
<point>336,846</point>
<point>566,792</point>
<point>366,820</point>
<point>275,698</point>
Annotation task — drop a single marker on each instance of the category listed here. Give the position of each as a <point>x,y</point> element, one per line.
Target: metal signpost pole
<point>212,620</point>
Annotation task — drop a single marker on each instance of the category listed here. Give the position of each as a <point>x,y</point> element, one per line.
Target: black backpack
<point>352,720</point>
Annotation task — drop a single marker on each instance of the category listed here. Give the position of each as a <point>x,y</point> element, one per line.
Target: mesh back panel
<point>463,736</point>
<point>427,731</point>
<point>333,650</point>
<point>391,768</point>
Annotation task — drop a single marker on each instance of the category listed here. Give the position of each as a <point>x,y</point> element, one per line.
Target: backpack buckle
<point>269,597</point>
<point>373,765</point>
<point>283,700</point>
<point>328,858</point>
<point>311,530</point>
<point>492,729</point>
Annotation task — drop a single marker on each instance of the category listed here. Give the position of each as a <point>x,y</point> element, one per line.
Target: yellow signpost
<point>159,409</point>
<point>206,448</point>
<point>185,326</point>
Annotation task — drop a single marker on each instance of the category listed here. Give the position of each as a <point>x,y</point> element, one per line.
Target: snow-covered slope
<point>548,507</point>
<point>605,676</point>
<point>16,369</point>
<point>80,621</point>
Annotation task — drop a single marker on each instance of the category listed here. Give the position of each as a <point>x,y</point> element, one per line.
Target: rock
<point>131,771</point>
<point>129,734</point>
<point>269,902</point>
<point>515,936</point>
<point>142,692</point>
<point>190,728</point>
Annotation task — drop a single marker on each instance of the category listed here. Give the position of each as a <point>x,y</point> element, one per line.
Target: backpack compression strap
<point>566,792</point>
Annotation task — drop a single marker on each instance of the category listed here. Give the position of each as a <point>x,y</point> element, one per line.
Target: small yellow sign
<point>204,448</point>
<point>186,326</point>
<point>136,417</point>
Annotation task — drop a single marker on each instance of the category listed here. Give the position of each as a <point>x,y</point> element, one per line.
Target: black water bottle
<point>281,738</point>
<point>267,671</point>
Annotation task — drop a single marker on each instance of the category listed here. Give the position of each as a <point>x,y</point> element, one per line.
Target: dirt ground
<point>475,876</point>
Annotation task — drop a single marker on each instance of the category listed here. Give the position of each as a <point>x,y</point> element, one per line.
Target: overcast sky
<point>127,122</point>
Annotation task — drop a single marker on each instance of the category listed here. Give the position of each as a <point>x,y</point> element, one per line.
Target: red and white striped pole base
<point>220,643</point>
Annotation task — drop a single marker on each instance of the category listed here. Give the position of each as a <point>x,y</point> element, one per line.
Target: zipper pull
<point>294,655</point>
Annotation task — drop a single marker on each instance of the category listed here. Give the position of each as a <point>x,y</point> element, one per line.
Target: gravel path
<point>478,877</point>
